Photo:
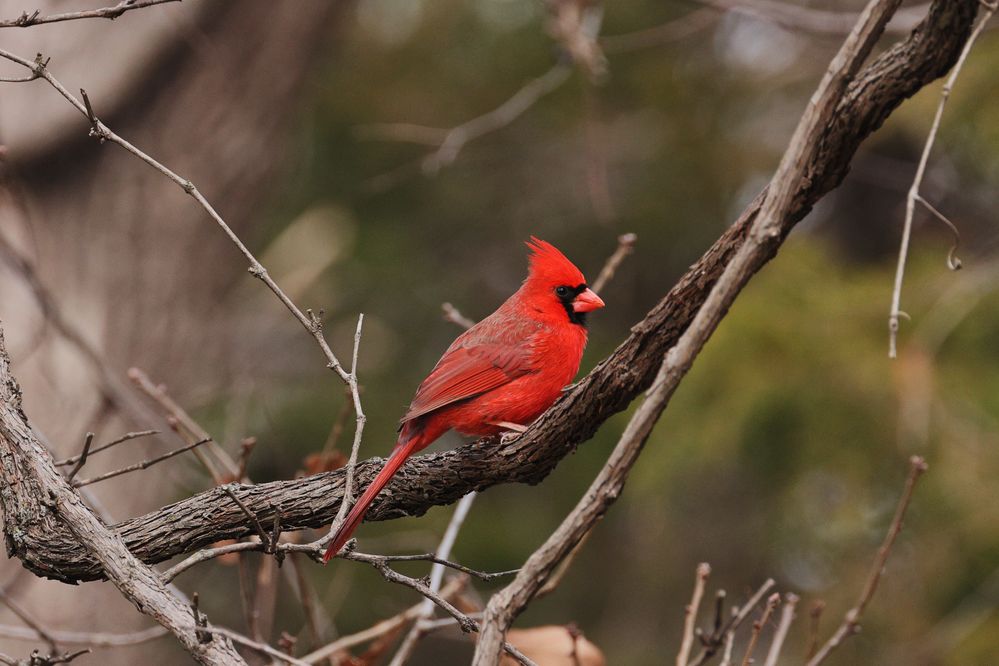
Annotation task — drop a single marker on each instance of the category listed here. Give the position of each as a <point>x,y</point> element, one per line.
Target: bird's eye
<point>562,292</point>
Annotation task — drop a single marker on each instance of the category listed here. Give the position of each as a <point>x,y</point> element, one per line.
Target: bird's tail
<point>356,514</point>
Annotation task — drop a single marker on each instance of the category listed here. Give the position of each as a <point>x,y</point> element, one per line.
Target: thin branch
<point>261,532</point>
<point>754,637</point>
<point>436,578</point>
<point>814,617</point>
<point>786,618</point>
<point>102,131</point>
<point>465,622</point>
<point>727,653</point>
<point>114,390</point>
<point>38,659</point>
<point>26,20</point>
<point>725,635</point>
<point>82,460</point>
<point>128,436</point>
<point>690,613</point>
<point>917,181</point>
<point>29,620</point>
<point>450,142</point>
<point>851,622</point>
<point>92,639</point>
<point>360,420</point>
<point>259,646</point>
<point>812,20</point>
<point>452,315</point>
<point>159,395</point>
<point>145,464</point>
<point>680,28</point>
<point>625,246</point>
<point>384,627</point>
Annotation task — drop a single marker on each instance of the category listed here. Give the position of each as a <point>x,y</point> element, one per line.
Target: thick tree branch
<point>443,478</point>
<point>35,497</point>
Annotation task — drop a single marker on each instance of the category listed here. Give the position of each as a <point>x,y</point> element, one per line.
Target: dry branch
<point>915,197</point>
<point>851,621</point>
<point>36,499</point>
<point>26,20</point>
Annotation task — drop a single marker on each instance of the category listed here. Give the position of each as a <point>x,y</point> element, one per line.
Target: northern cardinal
<point>500,374</point>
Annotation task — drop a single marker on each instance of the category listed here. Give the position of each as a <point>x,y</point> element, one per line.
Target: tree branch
<point>35,497</point>
<point>26,20</point>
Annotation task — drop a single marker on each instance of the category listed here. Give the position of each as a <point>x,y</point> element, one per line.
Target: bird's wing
<point>469,369</point>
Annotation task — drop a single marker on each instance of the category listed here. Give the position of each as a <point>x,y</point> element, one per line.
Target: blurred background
<point>319,130</point>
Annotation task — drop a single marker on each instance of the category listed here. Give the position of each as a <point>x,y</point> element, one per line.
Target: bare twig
<point>115,391</point>
<point>385,626</point>
<point>193,429</point>
<point>452,315</point>
<point>814,617</point>
<point>625,246</point>
<point>450,142</point>
<point>38,659</point>
<point>465,622</point>
<point>29,620</point>
<point>754,637</point>
<point>360,419</point>
<point>26,20</point>
<point>671,31</point>
<point>725,635</point>
<point>82,460</point>
<point>261,532</point>
<point>786,617</point>
<point>690,613</point>
<point>145,464</point>
<point>259,646</point>
<point>914,195</point>
<point>93,639</point>
<point>727,653</point>
<point>813,20</point>
<point>851,622</point>
<point>436,578</point>
<point>128,436</point>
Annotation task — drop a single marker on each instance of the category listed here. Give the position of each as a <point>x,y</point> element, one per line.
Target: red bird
<point>501,374</point>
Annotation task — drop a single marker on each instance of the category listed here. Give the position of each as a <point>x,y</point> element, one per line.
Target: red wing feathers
<point>467,371</point>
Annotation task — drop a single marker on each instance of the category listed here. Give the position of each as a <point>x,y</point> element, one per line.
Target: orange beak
<point>586,301</point>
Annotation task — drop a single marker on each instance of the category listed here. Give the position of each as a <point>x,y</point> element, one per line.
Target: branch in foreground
<point>444,477</point>
<point>690,614</point>
<point>35,493</point>
<point>26,20</point>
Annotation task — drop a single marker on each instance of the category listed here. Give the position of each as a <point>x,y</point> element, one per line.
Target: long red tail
<point>356,514</point>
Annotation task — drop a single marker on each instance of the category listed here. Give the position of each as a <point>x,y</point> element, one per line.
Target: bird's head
<point>555,284</point>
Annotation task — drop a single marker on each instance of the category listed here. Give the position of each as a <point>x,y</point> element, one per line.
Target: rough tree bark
<point>34,492</point>
<point>441,478</point>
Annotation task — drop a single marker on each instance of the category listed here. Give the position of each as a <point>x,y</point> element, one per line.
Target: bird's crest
<point>548,264</point>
